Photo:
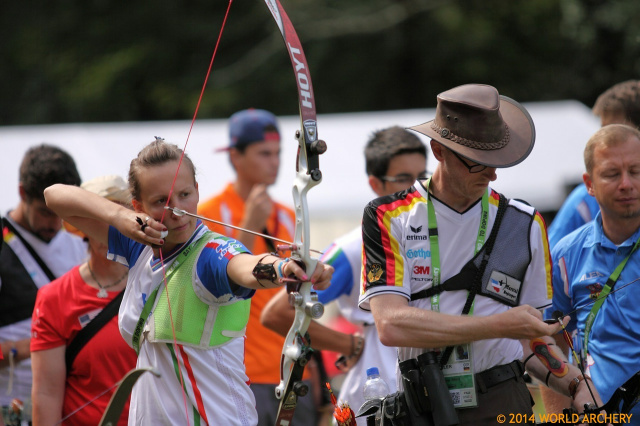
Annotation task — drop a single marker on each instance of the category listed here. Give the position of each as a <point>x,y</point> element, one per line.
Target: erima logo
<point>416,237</point>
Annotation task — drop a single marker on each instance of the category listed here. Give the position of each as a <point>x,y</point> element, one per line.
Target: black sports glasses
<point>474,168</point>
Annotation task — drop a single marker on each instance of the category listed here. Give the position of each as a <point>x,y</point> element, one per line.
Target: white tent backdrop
<point>562,127</point>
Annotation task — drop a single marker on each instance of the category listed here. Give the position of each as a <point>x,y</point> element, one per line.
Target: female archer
<point>186,284</point>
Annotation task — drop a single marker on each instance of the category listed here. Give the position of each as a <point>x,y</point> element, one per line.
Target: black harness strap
<point>464,280</point>
<point>91,329</point>
<point>477,281</point>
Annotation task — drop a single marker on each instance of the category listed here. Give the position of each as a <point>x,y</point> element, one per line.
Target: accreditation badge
<point>458,374</point>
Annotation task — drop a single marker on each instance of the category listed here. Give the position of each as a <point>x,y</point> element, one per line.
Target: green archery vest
<point>196,322</point>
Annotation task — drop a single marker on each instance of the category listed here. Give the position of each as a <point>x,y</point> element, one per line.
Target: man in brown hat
<point>451,262</point>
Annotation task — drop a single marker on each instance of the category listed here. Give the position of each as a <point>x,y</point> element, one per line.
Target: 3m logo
<point>421,270</point>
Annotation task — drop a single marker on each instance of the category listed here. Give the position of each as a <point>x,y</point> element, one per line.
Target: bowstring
<point>86,404</point>
<point>175,177</point>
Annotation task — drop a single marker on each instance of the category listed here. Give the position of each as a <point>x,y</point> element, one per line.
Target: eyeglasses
<point>403,178</point>
<point>473,168</point>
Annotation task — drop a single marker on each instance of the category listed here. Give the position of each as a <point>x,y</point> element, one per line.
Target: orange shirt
<point>262,346</point>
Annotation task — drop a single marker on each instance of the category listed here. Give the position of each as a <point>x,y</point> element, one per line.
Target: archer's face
<point>461,180</point>
<point>42,222</point>
<point>155,184</point>
<point>615,179</point>
<point>259,163</point>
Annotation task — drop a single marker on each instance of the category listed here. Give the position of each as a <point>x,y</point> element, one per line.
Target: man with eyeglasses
<point>395,158</point>
<point>451,262</point>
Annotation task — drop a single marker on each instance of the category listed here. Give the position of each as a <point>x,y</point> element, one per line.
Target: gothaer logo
<point>375,272</point>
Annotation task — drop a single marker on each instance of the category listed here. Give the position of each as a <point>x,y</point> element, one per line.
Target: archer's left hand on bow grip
<point>320,278</point>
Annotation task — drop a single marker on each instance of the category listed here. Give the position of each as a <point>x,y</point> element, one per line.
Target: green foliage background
<point>98,60</point>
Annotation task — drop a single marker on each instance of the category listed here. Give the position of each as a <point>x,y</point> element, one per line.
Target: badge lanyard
<point>611,281</point>
<point>458,374</point>
<point>435,248</point>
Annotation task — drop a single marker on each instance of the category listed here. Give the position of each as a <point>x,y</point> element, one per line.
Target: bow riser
<point>297,350</point>
<point>302,298</point>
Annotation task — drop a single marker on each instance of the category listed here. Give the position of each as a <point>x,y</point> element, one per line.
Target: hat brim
<point>522,136</point>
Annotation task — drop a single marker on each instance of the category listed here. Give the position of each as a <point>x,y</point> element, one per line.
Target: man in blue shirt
<point>619,104</point>
<point>599,258</point>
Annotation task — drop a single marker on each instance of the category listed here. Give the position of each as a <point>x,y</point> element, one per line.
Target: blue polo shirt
<point>578,209</point>
<point>583,261</point>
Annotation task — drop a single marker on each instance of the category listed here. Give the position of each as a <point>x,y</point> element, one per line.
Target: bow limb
<point>296,350</point>
<point>119,398</point>
<point>121,395</point>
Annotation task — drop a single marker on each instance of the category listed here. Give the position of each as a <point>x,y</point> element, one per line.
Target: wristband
<point>573,385</point>
<point>280,266</point>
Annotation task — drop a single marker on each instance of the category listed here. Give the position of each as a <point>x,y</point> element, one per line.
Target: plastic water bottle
<point>374,388</point>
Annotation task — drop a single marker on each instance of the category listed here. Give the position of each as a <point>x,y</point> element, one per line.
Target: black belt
<point>498,374</point>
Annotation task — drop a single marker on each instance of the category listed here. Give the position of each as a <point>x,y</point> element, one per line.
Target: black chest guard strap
<point>465,279</point>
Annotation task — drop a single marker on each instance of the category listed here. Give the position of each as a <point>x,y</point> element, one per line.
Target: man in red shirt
<point>254,152</point>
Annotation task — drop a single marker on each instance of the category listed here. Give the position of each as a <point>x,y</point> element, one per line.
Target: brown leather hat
<point>476,122</point>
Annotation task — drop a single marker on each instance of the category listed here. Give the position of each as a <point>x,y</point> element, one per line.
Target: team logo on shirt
<point>421,272</point>
<point>594,290</point>
<point>416,230</point>
<point>591,275</point>
<point>421,269</point>
<point>418,254</point>
<point>224,247</point>
<point>375,272</point>
<point>503,287</point>
<point>86,318</point>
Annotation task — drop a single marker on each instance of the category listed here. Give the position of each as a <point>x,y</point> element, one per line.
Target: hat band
<point>487,146</point>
